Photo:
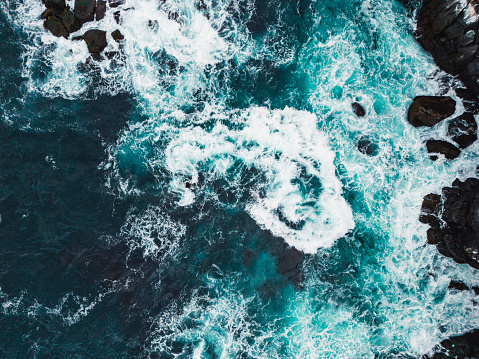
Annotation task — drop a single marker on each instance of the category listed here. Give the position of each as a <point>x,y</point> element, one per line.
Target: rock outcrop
<point>463,130</point>
<point>454,221</point>
<point>430,110</point>
<point>95,40</point>
<point>358,109</point>
<point>443,147</point>
<point>448,30</point>
<point>460,347</point>
<point>85,10</point>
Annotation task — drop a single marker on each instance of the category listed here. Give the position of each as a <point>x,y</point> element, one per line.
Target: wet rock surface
<point>448,30</point>
<point>55,26</point>
<point>85,10</point>
<point>460,347</point>
<point>463,130</point>
<point>70,21</point>
<point>358,109</point>
<point>443,147</point>
<point>430,110</point>
<point>454,221</point>
<point>95,40</point>
<point>117,35</point>
<point>55,4</point>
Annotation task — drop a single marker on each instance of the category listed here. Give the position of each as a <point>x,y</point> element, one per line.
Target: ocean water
<point>147,202</point>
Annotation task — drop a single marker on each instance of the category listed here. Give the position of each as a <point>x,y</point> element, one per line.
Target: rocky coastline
<point>448,30</point>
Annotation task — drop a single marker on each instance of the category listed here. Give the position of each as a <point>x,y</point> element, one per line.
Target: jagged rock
<point>447,149</point>
<point>358,109</point>
<point>70,21</point>
<point>100,9</point>
<point>447,29</point>
<point>51,12</point>
<point>117,17</point>
<point>55,4</point>
<point>367,147</point>
<point>95,40</point>
<point>430,110</point>
<point>458,237</point>
<point>463,130</point>
<point>457,286</point>
<point>431,206</point>
<point>460,347</point>
<point>55,26</point>
<point>85,10</point>
<point>468,38</point>
<point>117,35</point>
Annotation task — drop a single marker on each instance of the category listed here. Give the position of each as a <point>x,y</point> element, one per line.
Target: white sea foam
<point>153,232</point>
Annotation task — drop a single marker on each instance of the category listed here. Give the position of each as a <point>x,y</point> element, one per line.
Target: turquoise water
<point>209,143</point>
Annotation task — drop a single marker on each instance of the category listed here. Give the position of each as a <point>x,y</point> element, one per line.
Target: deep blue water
<point>150,204</point>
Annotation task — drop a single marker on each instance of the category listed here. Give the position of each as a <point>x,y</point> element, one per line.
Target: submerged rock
<point>430,110</point>
<point>447,149</point>
<point>95,40</point>
<point>458,236</point>
<point>55,26</point>
<point>463,130</point>
<point>358,109</point>
<point>367,147</point>
<point>85,10</point>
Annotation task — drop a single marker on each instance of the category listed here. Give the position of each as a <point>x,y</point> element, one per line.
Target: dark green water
<point>149,203</point>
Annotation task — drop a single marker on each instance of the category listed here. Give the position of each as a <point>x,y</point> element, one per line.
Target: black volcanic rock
<point>51,12</point>
<point>55,4</point>
<point>431,206</point>
<point>358,109</point>
<point>95,40</point>
<point>100,9</point>
<point>458,235</point>
<point>430,110</point>
<point>85,10</point>
<point>70,21</point>
<point>55,26</point>
<point>447,29</point>
<point>117,35</point>
<point>459,347</point>
<point>463,130</point>
<point>447,149</point>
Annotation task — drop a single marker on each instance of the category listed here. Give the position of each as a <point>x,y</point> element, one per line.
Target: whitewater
<point>239,137</point>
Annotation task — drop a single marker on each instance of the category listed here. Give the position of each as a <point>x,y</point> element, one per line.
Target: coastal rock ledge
<point>454,220</point>
<point>448,30</point>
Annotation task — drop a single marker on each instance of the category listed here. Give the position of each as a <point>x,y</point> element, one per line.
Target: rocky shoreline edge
<point>448,30</point>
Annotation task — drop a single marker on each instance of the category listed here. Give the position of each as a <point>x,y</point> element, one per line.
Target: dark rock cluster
<point>454,220</point>
<point>61,22</point>
<point>427,111</point>
<point>460,347</point>
<point>448,30</point>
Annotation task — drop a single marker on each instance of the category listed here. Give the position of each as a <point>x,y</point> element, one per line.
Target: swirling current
<point>150,203</point>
